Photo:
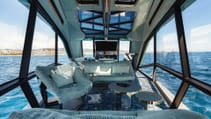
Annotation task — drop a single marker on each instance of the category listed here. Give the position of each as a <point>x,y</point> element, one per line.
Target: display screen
<point>106,45</point>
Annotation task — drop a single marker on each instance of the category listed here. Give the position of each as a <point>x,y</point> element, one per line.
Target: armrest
<point>80,77</point>
<point>44,76</point>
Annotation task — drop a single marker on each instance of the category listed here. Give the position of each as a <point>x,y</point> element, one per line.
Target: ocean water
<point>200,68</point>
<point>9,69</point>
<point>15,100</point>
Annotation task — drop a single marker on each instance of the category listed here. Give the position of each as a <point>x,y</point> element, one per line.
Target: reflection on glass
<point>198,101</point>
<point>167,45</point>
<point>62,55</point>
<point>149,53</point>
<point>124,47</point>
<point>43,48</point>
<point>170,82</point>
<point>198,37</point>
<point>13,21</point>
<point>148,71</point>
<point>87,49</point>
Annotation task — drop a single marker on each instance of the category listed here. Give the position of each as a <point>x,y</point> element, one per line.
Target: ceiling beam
<point>91,18</point>
<point>91,29</point>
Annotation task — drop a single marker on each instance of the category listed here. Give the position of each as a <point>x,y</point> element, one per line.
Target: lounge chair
<point>65,82</point>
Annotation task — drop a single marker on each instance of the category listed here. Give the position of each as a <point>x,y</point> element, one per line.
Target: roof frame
<point>114,26</point>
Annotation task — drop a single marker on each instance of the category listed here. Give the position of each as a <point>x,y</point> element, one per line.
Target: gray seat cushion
<point>111,71</point>
<point>38,113</point>
<point>67,90</point>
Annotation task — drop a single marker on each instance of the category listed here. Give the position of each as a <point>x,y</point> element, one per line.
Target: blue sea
<point>194,99</point>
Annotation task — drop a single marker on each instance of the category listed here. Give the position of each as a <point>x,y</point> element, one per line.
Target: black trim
<point>26,88</point>
<point>185,75</point>
<point>145,44</point>
<point>155,12</point>
<point>88,1</point>
<point>147,65</point>
<point>155,56</point>
<point>169,70</point>
<point>8,86</point>
<point>12,84</point>
<point>184,58</point>
<point>45,15</point>
<point>56,11</point>
<point>125,2</point>
<point>56,48</point>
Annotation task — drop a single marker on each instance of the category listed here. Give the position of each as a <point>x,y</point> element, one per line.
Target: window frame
<point>185,75</point>
<point>14,83</point>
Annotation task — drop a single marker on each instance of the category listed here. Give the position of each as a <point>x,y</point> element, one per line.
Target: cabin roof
<point>68,16</point>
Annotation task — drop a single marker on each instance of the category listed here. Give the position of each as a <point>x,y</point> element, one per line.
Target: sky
<point>197,23</point>
<point>13,21</point>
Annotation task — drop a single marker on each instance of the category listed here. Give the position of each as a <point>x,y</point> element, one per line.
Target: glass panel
<point>15,99</point>
<point>119,32</point>
<point>12,101</point>
<point>99,20</point>
<point>95,19</point>
<point>170,82</point>
<point>43,49</point>
<point>198,37</point>
<point>126,26</point>
<point>124,47</point>
<point>114,18</point>
<point>120,17</point>
<point>148,71</point>
<point>13,21</point>
<point>126,16</point>
<point>35,83</point>
<point>85,15</point>
<point>149,53</point>
<point>92,32</point>
<point>86,25</point>
<point>111,29</point>
<point>62,55</point>
<point>98,27</point>
<point>198,101</point>
<point>87,49</point>
<point>167,45</point>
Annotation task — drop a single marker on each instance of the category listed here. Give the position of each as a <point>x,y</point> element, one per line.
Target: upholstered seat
<point>64,92</point>
<point>38,113</point>
<point>109,71</point>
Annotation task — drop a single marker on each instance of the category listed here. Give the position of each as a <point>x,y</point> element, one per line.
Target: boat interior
<point>117,54</point>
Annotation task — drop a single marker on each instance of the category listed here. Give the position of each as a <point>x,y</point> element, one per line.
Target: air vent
<point>88,1</point>
<point>125,2</point>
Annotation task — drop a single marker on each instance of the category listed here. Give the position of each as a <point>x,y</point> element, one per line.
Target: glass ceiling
<point>91,22</point>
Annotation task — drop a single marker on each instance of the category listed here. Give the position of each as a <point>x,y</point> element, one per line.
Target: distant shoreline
<point>39,52</point>
<point>32,55</point>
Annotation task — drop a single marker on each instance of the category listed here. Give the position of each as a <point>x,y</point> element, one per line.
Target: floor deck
<point>101,98</point>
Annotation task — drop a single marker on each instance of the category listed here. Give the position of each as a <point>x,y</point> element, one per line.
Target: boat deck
<point>101,98</point>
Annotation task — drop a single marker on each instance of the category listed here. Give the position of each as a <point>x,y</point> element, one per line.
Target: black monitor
<point>106,49</point>
<point>106,45</point>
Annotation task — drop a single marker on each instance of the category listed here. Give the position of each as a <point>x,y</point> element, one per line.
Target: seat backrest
<point>43,73</point>
<point>116,67</point>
